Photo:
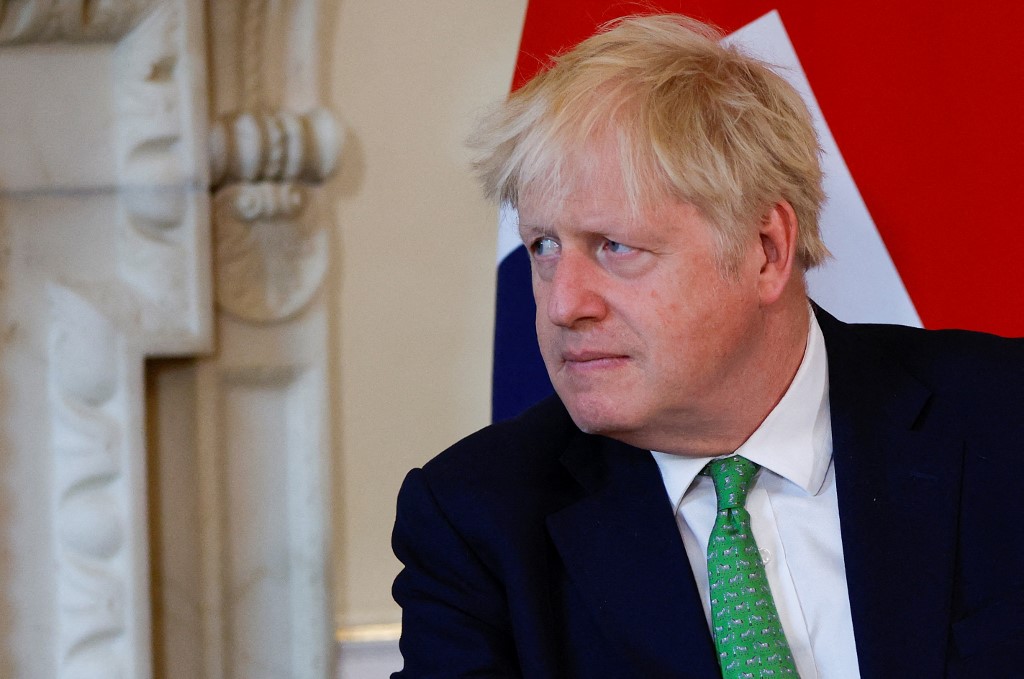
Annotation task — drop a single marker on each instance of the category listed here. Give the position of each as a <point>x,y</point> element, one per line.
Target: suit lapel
<point>622,550</point>
<point>898,461</point>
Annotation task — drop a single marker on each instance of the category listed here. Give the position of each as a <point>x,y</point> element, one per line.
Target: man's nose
<point>574,295</point>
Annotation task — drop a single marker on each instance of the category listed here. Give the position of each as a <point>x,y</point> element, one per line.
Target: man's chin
<point>602,419</point>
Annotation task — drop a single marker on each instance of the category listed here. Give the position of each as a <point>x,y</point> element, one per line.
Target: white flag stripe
<point>508,232</point>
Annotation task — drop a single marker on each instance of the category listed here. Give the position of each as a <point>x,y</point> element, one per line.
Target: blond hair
<point>691,119</point>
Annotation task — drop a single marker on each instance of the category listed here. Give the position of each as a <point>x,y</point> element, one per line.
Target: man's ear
<point>778,234</point>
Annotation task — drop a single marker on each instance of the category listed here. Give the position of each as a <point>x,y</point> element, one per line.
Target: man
<point>668,189</point>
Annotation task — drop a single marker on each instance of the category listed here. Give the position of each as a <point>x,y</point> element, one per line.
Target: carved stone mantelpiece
<point>119,148</point>
<point>105,214</point>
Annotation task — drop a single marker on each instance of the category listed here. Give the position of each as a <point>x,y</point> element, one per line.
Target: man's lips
<point>591,358</point>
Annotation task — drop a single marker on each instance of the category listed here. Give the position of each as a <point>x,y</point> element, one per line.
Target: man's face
<point>641,331</point>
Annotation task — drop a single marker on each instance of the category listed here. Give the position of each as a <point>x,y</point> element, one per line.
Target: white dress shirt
<point>794,515</point>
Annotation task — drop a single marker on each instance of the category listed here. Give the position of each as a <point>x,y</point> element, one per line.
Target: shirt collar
<point>794,440</point>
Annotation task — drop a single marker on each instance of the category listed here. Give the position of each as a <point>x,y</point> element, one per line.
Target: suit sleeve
<point>454,609</point>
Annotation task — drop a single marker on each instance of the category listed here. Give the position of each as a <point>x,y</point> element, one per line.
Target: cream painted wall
<point>415,260</point>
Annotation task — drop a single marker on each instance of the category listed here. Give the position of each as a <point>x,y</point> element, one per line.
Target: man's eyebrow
<point>534,230</point>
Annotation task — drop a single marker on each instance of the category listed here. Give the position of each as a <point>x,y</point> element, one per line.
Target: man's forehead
<point>596,180</point>
<point>589,212</point>
<point>592,205</point>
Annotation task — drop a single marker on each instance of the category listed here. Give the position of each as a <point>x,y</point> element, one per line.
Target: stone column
<point>263,400</point>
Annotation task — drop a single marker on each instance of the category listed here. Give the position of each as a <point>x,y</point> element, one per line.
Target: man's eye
<point>617,248</point>
<point>544,247</point>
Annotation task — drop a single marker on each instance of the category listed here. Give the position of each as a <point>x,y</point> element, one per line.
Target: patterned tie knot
<point>732,477</point>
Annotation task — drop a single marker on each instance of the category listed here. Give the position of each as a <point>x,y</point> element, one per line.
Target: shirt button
<point>766,556</point>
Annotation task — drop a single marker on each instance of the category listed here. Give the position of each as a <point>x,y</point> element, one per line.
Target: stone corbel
<point>271,232</point>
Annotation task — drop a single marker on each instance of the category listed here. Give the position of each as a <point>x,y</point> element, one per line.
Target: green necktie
<point>748,634</point>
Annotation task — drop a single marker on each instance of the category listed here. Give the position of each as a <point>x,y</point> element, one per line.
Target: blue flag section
<point>520,379</point>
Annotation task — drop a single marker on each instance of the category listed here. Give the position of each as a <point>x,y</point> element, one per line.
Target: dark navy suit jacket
<point>534,550</point>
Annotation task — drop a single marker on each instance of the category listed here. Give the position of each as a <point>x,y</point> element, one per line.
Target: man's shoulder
<point>537,433</point>
<point>500,482</point>
<point>980,376</point>
<point>500,462</point>
<point>960,356</point>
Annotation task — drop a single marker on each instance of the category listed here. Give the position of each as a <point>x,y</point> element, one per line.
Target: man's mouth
<point>592,359</point>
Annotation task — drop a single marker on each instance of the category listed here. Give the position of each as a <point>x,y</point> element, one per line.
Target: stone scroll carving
<point>271,243</point>
<point>93,520</point>
<point>162,205</point>
<point>281,146</point>
<point>23,21</point>
<point>271,255</point>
